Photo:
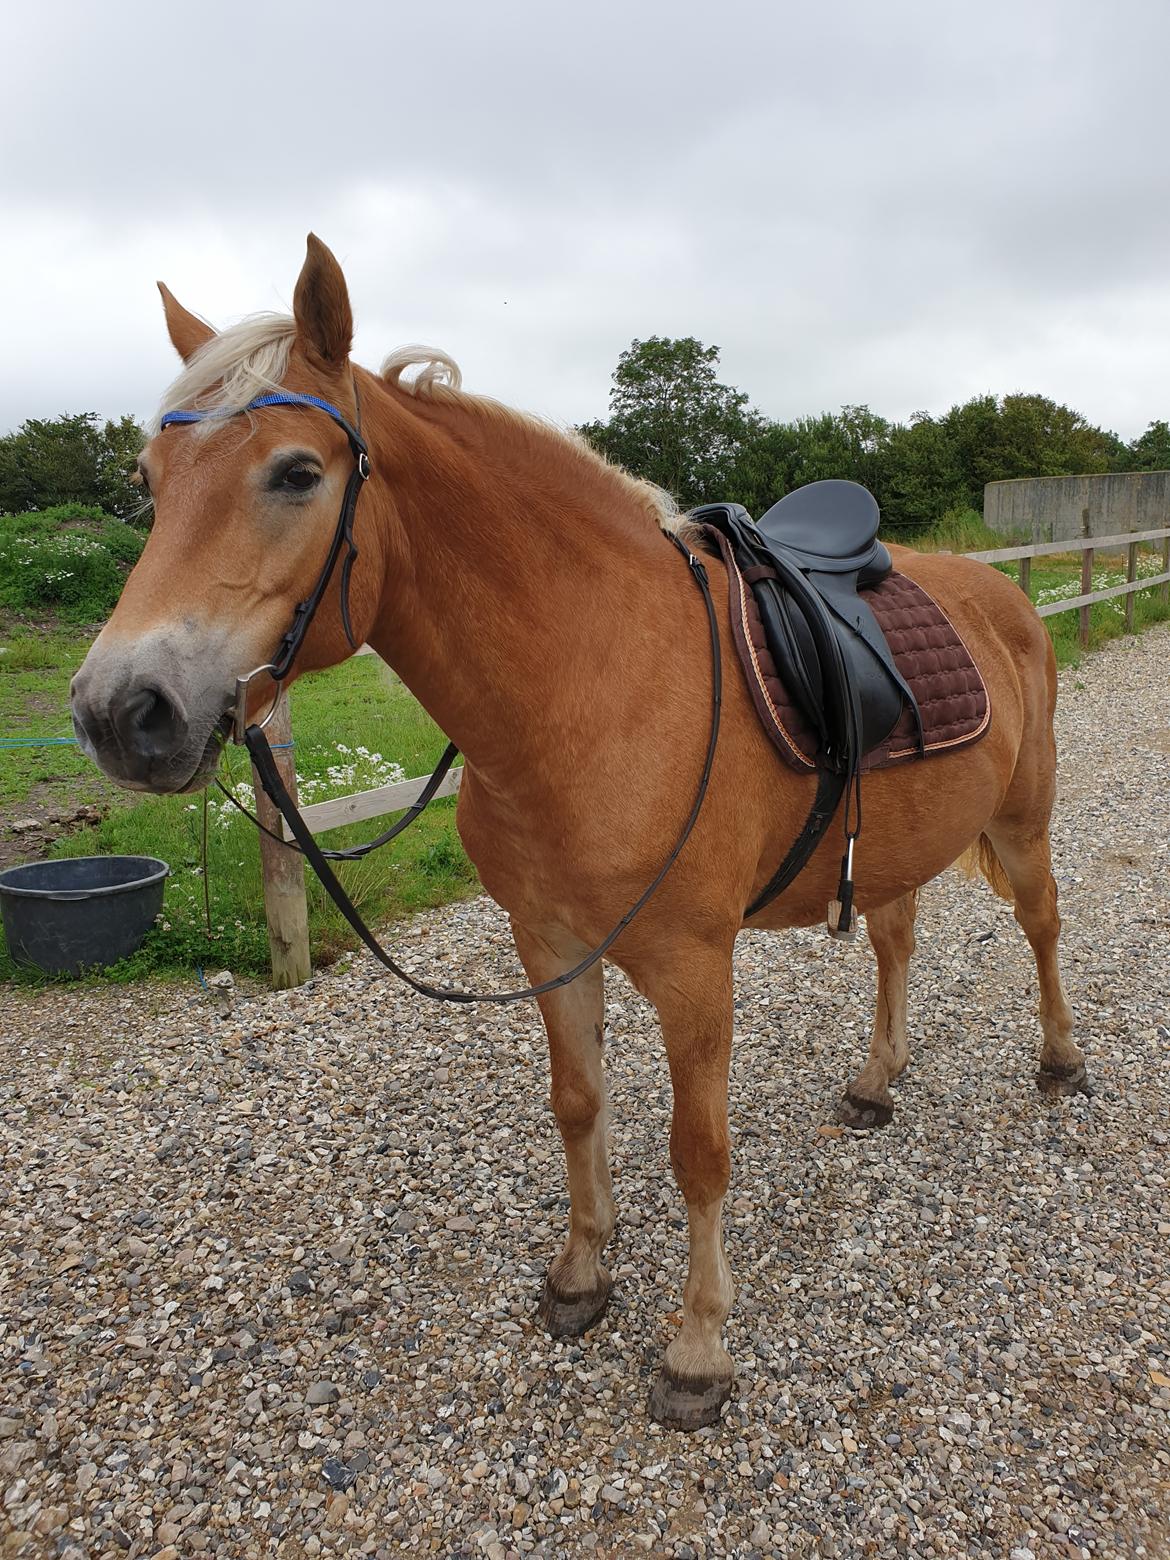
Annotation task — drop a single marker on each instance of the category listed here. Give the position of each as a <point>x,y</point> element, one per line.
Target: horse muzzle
<point>144,729</point>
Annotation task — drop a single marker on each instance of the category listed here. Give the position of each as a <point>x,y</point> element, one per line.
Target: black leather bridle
<point>253,738</point>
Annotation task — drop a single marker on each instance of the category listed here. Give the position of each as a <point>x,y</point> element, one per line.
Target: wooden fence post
<point>1086,578</point>
<point>1166,570</point>
<point>283,870</point>
<point>1130,575</point>
<point>1026,577</point>
<point>1086,589</point>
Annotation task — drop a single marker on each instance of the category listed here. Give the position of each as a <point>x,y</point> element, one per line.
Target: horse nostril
<point>148,723</point>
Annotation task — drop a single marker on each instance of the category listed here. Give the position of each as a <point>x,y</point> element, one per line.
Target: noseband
<point>253,738</point>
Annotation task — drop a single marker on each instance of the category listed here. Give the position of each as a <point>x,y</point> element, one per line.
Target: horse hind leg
<point>576,1289</point>
<point>695,1008</point>
<point>867,1101</point>
<point>1025,858</point>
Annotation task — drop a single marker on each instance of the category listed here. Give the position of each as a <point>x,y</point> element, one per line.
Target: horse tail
<point>981,858</point>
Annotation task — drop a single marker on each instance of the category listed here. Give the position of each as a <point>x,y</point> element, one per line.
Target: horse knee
<point>701,1165</point>
<point>576,1105</point>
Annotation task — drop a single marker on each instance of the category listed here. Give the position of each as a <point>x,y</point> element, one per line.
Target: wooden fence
<point>284,872</point>
<point>1130,542</point>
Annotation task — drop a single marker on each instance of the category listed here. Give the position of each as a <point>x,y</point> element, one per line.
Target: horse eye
<point>299,478</point>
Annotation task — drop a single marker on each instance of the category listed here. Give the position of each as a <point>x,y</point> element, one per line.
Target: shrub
<point>69,562</point>
<point>961,530</point>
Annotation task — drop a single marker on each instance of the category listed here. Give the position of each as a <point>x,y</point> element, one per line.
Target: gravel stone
<point>269,1276</point>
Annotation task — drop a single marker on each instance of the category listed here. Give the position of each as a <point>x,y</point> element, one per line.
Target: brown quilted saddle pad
<point>929,652</point>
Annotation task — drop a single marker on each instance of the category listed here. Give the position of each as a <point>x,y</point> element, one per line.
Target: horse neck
<point>518,566</point>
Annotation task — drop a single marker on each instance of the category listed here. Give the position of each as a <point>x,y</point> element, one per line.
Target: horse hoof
<point>568,1316</point>
<point>683,1404</point>
<point>861,1114</point>
<point>1054,1082</point>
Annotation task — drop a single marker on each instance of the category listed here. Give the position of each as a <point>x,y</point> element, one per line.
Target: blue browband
<point>274,398</point>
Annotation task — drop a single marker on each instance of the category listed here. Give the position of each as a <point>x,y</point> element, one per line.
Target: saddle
<point>834,694</point>
<point>805,561</point>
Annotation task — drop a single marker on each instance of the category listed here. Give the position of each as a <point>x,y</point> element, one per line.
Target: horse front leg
<point>696,1013</point>
<point>576,1289</point>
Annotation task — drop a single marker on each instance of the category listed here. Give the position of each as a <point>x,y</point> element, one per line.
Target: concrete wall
<point>1048,509</point>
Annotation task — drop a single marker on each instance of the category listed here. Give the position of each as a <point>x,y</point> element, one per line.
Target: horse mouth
<point>204,771</point>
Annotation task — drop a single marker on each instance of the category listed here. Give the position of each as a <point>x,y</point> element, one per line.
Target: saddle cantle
<point>850,665</point>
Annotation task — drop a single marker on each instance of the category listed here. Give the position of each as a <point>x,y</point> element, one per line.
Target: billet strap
<point>274,787</point>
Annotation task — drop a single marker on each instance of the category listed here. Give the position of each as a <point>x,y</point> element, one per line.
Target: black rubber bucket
<point>82,913</point>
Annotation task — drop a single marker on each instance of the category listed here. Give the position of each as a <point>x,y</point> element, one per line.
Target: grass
<point>355,727</point>
<point>1058,577</point>
<point>69,562</point>
<point>960,531</point>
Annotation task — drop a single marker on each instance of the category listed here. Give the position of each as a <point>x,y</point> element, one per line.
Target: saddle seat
<point>829,528</point>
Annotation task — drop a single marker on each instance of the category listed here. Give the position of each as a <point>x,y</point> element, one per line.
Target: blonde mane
<point>232,368</point>
<point>250,358</point>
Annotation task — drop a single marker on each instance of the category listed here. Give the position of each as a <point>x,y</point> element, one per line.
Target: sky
<point>891,203</point>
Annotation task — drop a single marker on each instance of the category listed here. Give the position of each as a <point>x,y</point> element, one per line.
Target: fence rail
<point>1088,547</point>
<point>284,894</point>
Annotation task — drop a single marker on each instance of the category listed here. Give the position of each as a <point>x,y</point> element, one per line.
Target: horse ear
<point>187,331</point>
<point>321,306</point>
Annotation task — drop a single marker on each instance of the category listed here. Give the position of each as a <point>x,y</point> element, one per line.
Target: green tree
<point>118,453</point>
<point>1150,451</point>
<point>1024,436</point>
<point>671,419</point>
<point>921,478</point>
<point>73,459</point>
<point>777,457</point>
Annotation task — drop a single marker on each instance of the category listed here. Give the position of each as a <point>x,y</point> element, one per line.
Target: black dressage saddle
<point>805,562</point>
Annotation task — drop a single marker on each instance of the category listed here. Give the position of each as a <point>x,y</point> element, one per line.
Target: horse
<point>527,592</point>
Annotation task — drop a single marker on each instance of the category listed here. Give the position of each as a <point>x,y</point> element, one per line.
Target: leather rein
<point>253,738</point>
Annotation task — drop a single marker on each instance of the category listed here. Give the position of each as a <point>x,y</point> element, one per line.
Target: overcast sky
<point>893,203</point>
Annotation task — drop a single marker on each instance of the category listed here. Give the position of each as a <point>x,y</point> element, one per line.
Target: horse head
<point>246,502</point>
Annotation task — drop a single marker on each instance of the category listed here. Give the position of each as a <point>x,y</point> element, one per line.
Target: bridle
<point>253,738</point>
<point>280,666</point>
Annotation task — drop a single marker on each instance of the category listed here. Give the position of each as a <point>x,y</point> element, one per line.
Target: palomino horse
<point>524,591</point>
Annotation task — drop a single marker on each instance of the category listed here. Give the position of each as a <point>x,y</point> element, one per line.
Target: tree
<point>71,459</point>
<point>921,479</point>
<point>118,453</point>
<point>1151,450</point>
<point>672,421</point>
<point>1024,436</point>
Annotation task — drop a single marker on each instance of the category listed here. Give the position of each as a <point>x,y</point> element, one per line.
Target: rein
<point>253,738</point>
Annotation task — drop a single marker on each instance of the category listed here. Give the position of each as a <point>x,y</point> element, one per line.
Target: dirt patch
<point>30,828</point>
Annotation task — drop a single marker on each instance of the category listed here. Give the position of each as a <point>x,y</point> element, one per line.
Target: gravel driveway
<point>268,1279</point>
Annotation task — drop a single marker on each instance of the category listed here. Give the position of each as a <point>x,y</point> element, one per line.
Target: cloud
<point>901,205</point>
